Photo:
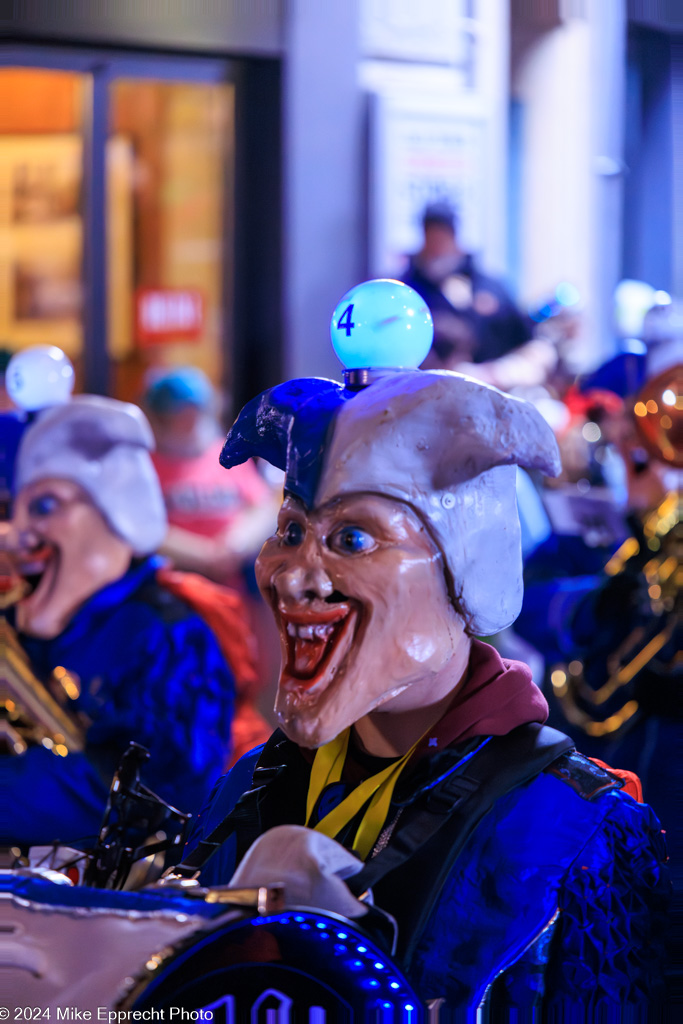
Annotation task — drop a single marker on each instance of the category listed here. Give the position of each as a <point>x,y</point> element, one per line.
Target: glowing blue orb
<point>39,377</point>
<point>567,294</point>
<point>381,323</point>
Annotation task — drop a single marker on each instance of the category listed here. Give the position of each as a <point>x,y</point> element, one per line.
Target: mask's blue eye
<point>293,534</point>
<point>351,540</point>
<point>43,505</point>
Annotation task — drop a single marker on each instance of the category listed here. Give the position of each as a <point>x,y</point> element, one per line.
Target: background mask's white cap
<point>104,446</point>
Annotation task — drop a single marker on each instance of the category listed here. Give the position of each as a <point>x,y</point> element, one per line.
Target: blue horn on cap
<point>288,426</point>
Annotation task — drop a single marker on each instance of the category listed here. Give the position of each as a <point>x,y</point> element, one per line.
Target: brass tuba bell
<point>31,712</point>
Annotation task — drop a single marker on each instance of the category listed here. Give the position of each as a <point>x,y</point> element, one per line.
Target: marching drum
<point>233,957</point>
<point>71,950</point>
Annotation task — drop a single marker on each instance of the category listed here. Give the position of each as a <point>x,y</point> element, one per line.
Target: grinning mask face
<point>66,553</point>
<point>400,529</point>
<point>359,594</point>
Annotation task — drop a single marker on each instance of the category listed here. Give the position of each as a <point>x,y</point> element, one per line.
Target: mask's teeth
<point>311,631</point>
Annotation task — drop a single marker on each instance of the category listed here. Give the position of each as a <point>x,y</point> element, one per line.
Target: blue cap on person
<point>170,390</point>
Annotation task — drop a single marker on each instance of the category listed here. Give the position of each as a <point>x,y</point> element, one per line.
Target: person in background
<point>122,644</point>
<point>475,319</point>
<point>607,619</point>
<point>398,545</point>
<point>217,520</point>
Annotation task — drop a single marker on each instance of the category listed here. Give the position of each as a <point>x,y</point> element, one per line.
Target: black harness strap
<point>430,832</point>
<point>245,817</point>
<point>501,765</point>
<point>498,766</point>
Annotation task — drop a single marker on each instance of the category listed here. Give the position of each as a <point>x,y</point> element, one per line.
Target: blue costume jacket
<point>151,671</point>
<point>552,903</point>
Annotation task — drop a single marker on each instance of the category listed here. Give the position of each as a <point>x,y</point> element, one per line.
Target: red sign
<point>168,314</point>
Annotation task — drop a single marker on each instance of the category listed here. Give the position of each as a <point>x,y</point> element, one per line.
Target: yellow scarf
<point>378,790</point>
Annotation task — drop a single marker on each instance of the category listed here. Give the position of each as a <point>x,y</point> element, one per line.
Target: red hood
<point>496,696</point>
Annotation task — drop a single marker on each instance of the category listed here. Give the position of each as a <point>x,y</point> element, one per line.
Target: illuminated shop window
<point>169,158</point>
<point>42,116</point>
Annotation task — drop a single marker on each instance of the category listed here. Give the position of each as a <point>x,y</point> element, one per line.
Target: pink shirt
<point>203,497</point>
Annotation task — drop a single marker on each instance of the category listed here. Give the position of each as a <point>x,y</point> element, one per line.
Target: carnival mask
<point>398,538</point>
<point>66,551</point>
<point>359,594</point>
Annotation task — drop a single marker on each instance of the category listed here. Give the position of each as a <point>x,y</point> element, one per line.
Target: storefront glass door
<point>43,115</point>
<point>116,213</point>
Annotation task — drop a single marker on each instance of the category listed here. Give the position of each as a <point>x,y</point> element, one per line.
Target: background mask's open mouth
<point>34,568</point>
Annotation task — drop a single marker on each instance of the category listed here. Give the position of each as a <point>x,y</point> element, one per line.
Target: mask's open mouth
<point>12,586</point>
<point>38,569</point>
<point>317,640</point>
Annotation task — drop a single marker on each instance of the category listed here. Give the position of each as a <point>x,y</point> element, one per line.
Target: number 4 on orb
<point>345,320</point>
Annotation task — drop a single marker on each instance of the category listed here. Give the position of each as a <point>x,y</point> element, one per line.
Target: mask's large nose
<point>9,536</point>
<point>304,577</point>
<point>19,535</point>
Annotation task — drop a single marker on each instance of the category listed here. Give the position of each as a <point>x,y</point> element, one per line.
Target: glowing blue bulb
<point>341,935</point>
<point>320,925</point>
<point>381,323</point>
<point>567,294</point>
<point>394,984</point>
<point>379,966</point>
<point>409,1007</point>
<point>362,949</point>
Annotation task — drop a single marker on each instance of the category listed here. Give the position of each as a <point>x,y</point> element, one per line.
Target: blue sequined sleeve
<point>606,953</point>
<point>174,693</point>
